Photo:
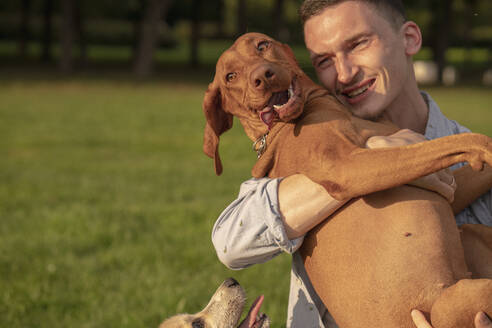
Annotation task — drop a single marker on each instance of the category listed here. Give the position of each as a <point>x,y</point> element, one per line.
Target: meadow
<point>107,201</point>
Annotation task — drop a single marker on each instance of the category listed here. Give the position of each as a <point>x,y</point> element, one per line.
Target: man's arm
<point>470,184</point>
<point>249,230</point>
<point>304,203</point>
<point>270,216</point>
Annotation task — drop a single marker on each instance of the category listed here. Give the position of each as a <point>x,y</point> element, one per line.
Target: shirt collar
<point>435,119</point>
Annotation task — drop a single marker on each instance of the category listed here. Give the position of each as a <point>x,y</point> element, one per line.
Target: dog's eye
<point>230,77</point>
<point>263,45</point>
<point>198,323</point>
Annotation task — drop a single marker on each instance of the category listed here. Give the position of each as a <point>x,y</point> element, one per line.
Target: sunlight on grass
<point>107,202</point>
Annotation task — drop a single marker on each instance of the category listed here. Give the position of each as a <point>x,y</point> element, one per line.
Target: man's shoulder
<point>438,125</point>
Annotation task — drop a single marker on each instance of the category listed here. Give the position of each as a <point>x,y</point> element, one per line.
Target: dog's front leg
<point>471,185</point>
<point>349,171</point>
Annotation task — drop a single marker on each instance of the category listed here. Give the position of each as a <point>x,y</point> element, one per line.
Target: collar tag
<point>259,146</point>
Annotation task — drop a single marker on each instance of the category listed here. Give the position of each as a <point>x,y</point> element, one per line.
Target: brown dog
<point>380,255</point>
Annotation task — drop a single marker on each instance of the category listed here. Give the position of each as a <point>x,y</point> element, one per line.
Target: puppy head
<point>257,80</point>
<point>223,311</point>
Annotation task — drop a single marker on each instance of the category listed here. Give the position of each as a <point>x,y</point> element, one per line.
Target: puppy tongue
<point>255,309</point>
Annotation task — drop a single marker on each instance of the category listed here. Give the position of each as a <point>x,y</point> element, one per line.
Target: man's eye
<point>263,45</point>
<point>359,44</point>
<point>325,62</point>
<point>230,77</point>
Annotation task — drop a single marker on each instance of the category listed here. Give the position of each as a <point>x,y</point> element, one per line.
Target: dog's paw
<point>263,321</point>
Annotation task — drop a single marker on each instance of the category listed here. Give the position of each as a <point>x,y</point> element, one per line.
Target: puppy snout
<point>231,282</point>
<point>262,76</point>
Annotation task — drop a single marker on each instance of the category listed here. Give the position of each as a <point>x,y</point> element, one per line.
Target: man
<point>362,52</point>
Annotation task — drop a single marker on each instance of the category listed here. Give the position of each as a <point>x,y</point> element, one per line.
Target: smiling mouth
<point>281,104</point>
<point>355,92</point>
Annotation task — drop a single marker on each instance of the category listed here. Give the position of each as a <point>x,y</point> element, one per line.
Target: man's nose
<point>262,76</point>
<point>346,70</point>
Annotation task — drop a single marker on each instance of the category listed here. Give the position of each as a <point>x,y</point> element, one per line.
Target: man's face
<point>359,56</point>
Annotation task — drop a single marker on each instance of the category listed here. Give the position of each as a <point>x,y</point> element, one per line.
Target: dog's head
<point>258,80</point>
<point>223,311</point>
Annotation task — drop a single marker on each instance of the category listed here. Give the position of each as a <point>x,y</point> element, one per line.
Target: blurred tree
<point>280,30</point>
<point>72,29</point>
<point>469,11</point>
<point>195,31</point>
<point>80,31</point>
<point>441,27</point>
<point>445,23</point>
<point>210,16</point>
<point>47,39</point>
<point>220,23</point>
<point>154,11</point>
<point>67,35</point>
<point>135,16</point>
<point>242,17</point>
<point>24,28</point>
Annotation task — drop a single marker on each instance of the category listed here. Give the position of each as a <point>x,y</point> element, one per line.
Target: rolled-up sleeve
<point>250,229</point>
<point>479,212</point>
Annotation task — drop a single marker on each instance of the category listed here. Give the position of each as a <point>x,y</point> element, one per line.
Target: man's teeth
<point>277,106</point>
<point>358,91</point>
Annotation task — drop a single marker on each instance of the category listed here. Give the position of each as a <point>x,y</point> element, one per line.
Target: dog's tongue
<point>254,319</point>
<point>255,309</point>
<point>267,116</point>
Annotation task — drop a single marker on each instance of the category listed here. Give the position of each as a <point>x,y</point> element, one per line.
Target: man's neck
<point>409,111</point>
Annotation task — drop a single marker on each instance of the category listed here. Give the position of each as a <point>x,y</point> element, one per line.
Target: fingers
<point>401,138</point>
<point>408,136</point>
<point>433,182</point>
<point>448,182</point>
<point>482,321</point>
<point>446,176</point>
<point>419,319</point>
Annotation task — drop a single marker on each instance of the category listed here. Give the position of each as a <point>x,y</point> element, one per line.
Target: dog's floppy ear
<point>218,121</point>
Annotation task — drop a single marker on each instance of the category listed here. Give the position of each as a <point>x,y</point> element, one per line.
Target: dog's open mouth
<point>257,319</point>
<point>283,105</point>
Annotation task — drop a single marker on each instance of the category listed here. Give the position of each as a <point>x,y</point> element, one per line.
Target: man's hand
<point>481,320</point>
<point>442,182</point>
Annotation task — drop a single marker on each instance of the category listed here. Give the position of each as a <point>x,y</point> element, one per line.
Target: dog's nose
<point>262,76</point>
<point>231,282</point>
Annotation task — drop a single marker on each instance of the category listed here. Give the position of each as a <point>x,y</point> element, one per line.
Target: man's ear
<point>218,121</point>
<point>412,38</point>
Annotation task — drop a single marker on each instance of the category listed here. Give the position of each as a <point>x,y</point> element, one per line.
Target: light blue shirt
<point>250,231</point>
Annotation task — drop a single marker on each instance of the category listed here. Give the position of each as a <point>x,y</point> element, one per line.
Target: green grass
<point>107,201</point>
<point>107,204</point>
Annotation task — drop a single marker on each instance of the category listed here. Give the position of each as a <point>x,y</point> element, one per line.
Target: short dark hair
<point>393,9</point>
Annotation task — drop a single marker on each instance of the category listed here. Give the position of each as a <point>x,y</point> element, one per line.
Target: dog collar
<point>259,146</point>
